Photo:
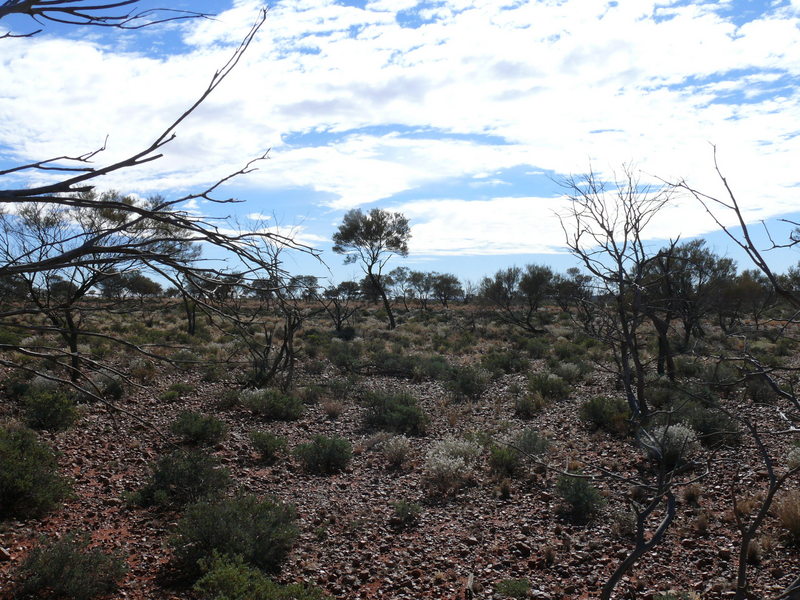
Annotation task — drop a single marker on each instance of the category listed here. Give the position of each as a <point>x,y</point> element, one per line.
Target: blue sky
<point>462,114</point>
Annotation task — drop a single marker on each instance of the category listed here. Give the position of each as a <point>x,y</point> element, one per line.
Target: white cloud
<point>563,84</point>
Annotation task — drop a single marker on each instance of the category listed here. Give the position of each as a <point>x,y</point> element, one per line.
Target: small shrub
<point>526,406</point>
<point>793,458</point>
<point>549,386</point>
<point>229,578</point>
<point>531,442</point>
<point>500,362</point>
<point>311,394</point>
<point>535,347</point>
<point>66,568</point>
<point>332,409</point>
<point>713,426</point>
<point>504,461</point>
<point>199,429</point>
<point>52,410</point>
<point>609,414</point>
<point>176,391</point>
<point>513,588</point>
<point>324,455</point>
<point>670,445</point>
<point>272,404</point>
<point>789,515</point>
<point>29,482</point>
<point>570,372</point>
<point>448,465</point>
<point>261,532</point>
<point>345,355</point>
<point>398,413</point>
<point>182,477</point>
<point>565,350</point>
<point>759,390</point>
<point>581,497</point>
<point>467,383</point>
<point>396,450</point>
<point>406,514</point>
<point>268,445</point>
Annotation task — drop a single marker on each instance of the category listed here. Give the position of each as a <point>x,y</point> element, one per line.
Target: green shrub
<point>324,455</point>
<point>229,578</point>
<point>513,588</point>
<point>714,427</point>
<point>449,465</point>
<point>609,414</point>
<point>398,413</point>
<point>406,514</point>
<point>272,404</point>
<point>176,391</point>
<point>759,390</point>
<point>29,483</point>
<point>686,366</point>
<point>181,477</point>
<point>531,442</point>
<point>567,351</point>
<point>581,497</point>
<point>261,532</point>
<point>396,450</point>
<point>789,515</point>
<point>65,568</point>
<point>671,444</point>
<point>549,386</point>
<point>526,406</point>
<point>268,445</point>
<point>431,366</point>
<point>535,347</point>
<point>721,376</point>
<point>52,410</point>
<point>571,372</point>
<point>504,461</point>
<point>500,362</point>
<point>345,355</point>
<point>466,383</point>
<point>199,429</point>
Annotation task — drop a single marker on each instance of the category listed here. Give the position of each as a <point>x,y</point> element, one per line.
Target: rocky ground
<point>349,544</point>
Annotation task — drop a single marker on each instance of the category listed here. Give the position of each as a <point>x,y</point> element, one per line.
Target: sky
<point>464,115</point>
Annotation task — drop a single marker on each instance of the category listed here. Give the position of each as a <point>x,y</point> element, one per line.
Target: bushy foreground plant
<point>196,428</point>
<point>582,500</point>
<point>29,482</point>
<point>49,409</point>
<point>396,450</point>
<point>789,515</point>
<point>260,532</point>
<point>398,413</point>
<point>607,413</point>
<point>549,386</point>
<point>449,465</point>
<point>268,445</point>
<point>181,477</point>
<point>671,445</point>
<point>272,404</point>
<point>66,568</point>
<point>324,455</point>
<point>229,578</point>
<point>513,588</point>
<point>406,514</point>
<point>467,383</point>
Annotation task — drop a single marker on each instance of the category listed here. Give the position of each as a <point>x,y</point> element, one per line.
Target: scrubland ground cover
<point>459,454</point>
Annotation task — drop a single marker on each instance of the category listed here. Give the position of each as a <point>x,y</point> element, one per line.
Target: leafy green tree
<point>517,294</point>
<point>371,239</point>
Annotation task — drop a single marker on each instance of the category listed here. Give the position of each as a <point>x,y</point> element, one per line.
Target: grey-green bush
<point>324,455</point>
<point>66,568</point>
<point>29,482</point>
<point>261,532</point>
